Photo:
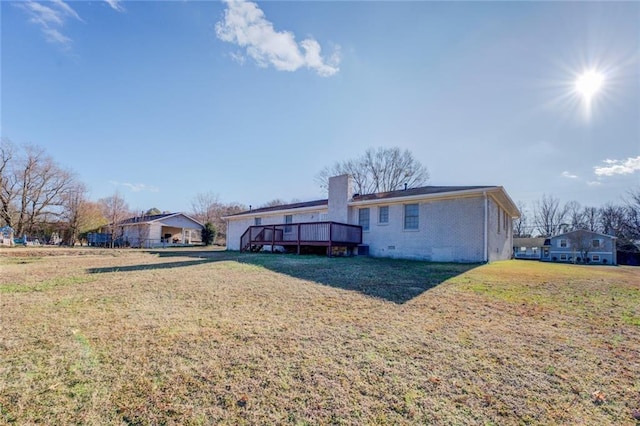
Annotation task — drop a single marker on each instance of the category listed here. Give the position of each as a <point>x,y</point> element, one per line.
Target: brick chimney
<point>340,193</point>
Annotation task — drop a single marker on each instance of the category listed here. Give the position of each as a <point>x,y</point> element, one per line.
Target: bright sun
<point>589,83</point>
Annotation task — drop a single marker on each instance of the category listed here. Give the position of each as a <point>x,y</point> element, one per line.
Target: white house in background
<point>436,223</point>
<point>161,230</point>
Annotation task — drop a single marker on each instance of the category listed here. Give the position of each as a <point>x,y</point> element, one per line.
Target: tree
<point>152,212</point>
<point>273,203</point>
<point>32,186</point>
<point>575,216</point>
<point>581,241</point>
<point>208,234</point>
<point>206,207</point>
<point>591,217</point>
<point>378,170</point>
<point>115,210</point>
<point>549,216</point>
<point>633,213</point>
<point>521,224</point>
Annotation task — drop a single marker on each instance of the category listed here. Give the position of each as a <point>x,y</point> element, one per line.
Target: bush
<point>208,234</point>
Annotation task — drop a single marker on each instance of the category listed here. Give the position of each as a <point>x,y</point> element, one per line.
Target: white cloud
<point>115,5</point>
<point>245,25</point>
<point>568,175</point>
<point>51,17</point>
<point>594,183</point>
<point>136,187</point>
<point>618,167</point>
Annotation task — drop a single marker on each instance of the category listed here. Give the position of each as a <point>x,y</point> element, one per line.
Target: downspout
<point>486,227</point>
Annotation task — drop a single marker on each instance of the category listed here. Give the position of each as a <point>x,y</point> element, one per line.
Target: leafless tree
<point>273,203</point>
<point>379,170</point>
<point>205,207</point>
<point>521,225</point>
<point>575,216</point>
<point>549,216</point>
<point>633,213</point>
<point>33,187</point>
<point>581,242</point>
<point>115,210</point>
<point>591,217</point>
<point>613,220</point>
<point>79,214</point>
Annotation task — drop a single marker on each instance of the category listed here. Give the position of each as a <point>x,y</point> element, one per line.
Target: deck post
<point>273,237</point>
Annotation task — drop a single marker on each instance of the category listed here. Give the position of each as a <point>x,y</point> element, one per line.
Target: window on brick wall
<point>363,218</point>
<point>411,216</point>
<point>288,219</point>
<point>383,214</point>
<point>257,221</point>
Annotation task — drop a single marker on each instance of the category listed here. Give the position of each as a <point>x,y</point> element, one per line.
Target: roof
<point>528,242</point>
<point>424,190</point>
<point>583,230</point>
<point>291,206</point>
<point>155,218</point>
<point>401,193</point>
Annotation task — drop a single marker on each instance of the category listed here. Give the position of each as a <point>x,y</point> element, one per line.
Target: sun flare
<point>589,83</point>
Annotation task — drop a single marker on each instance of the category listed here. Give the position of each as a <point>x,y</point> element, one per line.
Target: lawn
<point>204,337</point>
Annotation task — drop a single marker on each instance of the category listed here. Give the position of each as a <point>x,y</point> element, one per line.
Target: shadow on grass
<point>395,280</point>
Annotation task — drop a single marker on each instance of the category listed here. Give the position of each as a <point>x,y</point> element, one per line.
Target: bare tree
<point>575,216</point>
<point>521,225</point>
<point>549,216</point>
<point>613,220</point>
<point>205,207</point>
<point>8,183</point>
<point>273,203</point>
<point>80,214</point>
<point>33,187</point>
<point>581,242</point>
<point>379,170</point>
<point>591,217</point>
<point>115,210</point>
<point>633,213</point>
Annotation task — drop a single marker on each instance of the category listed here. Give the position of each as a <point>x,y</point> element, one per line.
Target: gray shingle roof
<point>424,190</point>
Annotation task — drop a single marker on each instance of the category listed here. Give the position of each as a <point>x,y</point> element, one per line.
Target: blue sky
<point>164,100</point>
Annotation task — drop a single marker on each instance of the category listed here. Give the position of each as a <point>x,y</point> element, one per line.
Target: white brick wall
<point>449,231</point>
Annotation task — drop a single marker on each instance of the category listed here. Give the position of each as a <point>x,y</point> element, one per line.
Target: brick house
<point>435,223</point>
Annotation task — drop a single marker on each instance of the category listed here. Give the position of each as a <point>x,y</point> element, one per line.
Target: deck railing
<point>297,234</point>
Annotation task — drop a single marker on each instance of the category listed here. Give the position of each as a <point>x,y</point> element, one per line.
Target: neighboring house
<point>436,223</point>
<point>580,246</point>
<point>6,236</point>
<point>527,248</point>
<point>161,230</point>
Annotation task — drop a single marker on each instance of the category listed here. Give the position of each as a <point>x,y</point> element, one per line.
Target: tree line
<point>548,216</point>
<point>42,199</point>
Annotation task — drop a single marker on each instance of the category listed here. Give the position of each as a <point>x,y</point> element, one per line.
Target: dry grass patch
<point>195,337</point>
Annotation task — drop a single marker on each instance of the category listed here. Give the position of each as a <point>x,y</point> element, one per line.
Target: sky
<point>162,100</point>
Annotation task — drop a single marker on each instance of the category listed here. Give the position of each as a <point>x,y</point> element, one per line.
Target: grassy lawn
<point>195,337</point>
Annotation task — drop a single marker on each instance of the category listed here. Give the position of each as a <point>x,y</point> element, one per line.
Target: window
<point>595,243</point>
<point>323,217</point>
<point>563,243</point>
<point>363,219</point>
<point>383,214</point>
<point>563,256</point>
<point>257,221</point>
<point>498,219</point>
<point>411,216</point>
<point>288,219</point>
<point>595,258</point>
<point>534,250</point>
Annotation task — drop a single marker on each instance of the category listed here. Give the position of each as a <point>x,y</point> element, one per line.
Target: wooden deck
<point>296,236</point>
